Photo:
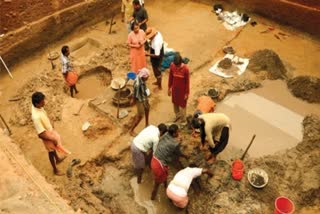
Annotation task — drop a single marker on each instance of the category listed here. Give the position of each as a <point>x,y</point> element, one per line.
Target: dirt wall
<point>301,14</point>
<point>15,14</point>
<point>38,34</point>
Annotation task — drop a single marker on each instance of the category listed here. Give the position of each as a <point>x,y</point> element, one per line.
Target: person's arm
<point>145,14</point>
<point>202,133</point>
<point>130,42</point>
<point>208,131</point>
<point>170,80</point>
<point>187,79</point>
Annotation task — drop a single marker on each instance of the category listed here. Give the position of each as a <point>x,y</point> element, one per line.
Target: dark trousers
<point>222,143</point>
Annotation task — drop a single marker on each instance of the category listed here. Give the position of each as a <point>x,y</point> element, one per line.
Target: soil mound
<point>292,173</point>
<point>306,88</point>
<point>270,61</point>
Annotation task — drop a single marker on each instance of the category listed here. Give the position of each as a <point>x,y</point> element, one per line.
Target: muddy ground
<point>101,183</point>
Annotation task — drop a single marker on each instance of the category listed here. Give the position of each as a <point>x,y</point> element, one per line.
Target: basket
<point>118,83</point>
<point>53,55</point>
<point>258,178</point>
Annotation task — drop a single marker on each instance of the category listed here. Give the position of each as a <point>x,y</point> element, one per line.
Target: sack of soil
<point>226,63</point>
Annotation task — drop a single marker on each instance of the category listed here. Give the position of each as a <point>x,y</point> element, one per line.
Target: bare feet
<point>58,173</point>
<point>60,159</point>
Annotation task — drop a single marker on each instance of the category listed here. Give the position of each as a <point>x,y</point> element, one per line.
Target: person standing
<point>44,128</point>
<point>69,74</point>
<point>214,127</point>
<point>146,140</point>
<point>179,87</point>
<point>178,188</point>
<point>140,15</point>
<point>140,98</point>
<point>136,40</point>
<point>127,11</point>
<point>168,149</point>
<point>156,53</point>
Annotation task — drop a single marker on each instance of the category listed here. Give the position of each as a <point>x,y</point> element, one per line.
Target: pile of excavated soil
<point>268,60</point>
<point>306,88</point>
<point>53,85</point>
<point>293,174</point>
<point>99,126</point>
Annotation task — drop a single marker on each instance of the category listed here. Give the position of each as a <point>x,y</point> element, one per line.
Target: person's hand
<point>186,97</point>
<point>169,92</point>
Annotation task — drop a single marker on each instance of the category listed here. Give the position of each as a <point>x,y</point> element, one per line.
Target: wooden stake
<point>6,67</point>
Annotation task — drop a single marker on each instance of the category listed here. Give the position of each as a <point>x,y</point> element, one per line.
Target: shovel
<point>76,114</point>
<point>238,166</point>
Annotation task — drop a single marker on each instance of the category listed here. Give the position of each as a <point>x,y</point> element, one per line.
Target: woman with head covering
<point>140,98</point>
<point>136,40</point>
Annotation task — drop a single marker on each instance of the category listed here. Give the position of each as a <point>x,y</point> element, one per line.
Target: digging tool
<point>6,125</point>
<point>78,113</point>
<point>6,67</point>
<point>118,108</point>
<point>238,166</point>
<point>111,23</point>
<point>53,66</point>
<point>248,147</point>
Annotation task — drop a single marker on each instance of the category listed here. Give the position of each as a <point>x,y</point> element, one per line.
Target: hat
<point>150,32</point>
<point>143,73</point>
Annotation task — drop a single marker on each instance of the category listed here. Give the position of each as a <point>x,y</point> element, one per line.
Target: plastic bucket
<point>131,75</point>
<point>237,170</point>
<point>283,205</point>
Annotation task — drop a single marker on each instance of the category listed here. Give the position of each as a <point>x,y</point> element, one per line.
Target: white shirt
<point>157,43</point>
<point>66,65</point>
<point>212,121</point>
<point>148,138</point>
<point>182,180</point>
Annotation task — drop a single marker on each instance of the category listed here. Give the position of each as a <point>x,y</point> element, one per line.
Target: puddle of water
<point>89,87</point>
<point>272,113</point>
<point>142,194</point>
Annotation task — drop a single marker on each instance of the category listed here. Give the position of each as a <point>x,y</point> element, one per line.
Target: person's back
<point>166,149</point>
<point>182,180</point>
<point>205,104</point>
<point>148,138</point>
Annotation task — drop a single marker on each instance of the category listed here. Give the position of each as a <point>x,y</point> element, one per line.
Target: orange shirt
<point>205,104</point>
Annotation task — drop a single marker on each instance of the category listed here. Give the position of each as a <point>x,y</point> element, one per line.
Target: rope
<point>33,180</point>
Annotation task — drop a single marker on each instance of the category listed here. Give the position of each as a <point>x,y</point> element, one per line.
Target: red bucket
<point>237,170</point>
<point>283,205</point>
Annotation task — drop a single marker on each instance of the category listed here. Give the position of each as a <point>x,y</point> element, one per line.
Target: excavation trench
<point>288,136</point>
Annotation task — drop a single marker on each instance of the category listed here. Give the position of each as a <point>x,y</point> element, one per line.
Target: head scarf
<point>143,73</point>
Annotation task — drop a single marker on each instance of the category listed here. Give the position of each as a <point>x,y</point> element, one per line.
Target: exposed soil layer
<point>306,88</point>
<point>268,60</point>
<point>22,42</point>
<point>101,184</point>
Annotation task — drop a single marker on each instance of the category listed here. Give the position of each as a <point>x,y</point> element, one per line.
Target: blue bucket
<point>131,75</point>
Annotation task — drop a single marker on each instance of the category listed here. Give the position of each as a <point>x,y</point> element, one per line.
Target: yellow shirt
<point>127,9</point>
<point>40,120</point>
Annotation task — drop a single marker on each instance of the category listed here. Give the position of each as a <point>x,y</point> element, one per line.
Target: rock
<point>23,122</point>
